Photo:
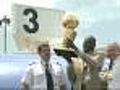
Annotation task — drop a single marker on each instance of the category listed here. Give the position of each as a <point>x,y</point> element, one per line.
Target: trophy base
<point>66,53</point>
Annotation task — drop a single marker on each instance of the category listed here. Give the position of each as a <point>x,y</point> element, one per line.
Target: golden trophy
<point>69,22</point>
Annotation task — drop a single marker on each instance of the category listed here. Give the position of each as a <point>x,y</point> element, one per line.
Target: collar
<point>42,62</point>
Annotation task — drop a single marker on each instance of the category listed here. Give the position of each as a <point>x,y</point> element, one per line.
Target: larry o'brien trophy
<point>66,48</point>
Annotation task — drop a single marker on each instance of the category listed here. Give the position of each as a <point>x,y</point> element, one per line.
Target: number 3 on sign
<point>32,20</point>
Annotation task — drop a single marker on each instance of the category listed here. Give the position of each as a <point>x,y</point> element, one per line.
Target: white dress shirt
<point>36,79</point>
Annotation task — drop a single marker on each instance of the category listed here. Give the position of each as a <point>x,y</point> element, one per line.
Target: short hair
<point>113,47</point>
<point>91,39</point>
<point>44,44</point>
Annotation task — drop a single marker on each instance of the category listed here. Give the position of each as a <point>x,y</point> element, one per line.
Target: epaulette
<point>32,63</point>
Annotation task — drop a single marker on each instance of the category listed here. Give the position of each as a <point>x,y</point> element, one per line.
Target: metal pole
<point>5,37</point>
<point>6,22</point>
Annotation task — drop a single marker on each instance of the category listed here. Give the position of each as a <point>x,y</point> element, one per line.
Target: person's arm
<point>25,86</point>
<point>26,80</point>
<point>82,55</point>
<point>71,74</point>
<point>62,81</point>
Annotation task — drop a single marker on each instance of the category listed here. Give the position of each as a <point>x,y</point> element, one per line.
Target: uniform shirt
<point>105,69</point>
<point>114,84</point>
<point>36,79</point>
<point>106,64</point>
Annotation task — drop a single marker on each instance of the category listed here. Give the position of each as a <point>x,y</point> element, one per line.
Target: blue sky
<point>100,18</point>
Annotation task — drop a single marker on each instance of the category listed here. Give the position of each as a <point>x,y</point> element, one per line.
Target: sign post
<point>6,22</point>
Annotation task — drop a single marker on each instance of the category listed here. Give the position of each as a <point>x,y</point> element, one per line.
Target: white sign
<point>31,25</point>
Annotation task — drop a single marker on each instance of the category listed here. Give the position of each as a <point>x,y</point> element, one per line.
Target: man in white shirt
<point>114,54</point>
<point>42,74</point>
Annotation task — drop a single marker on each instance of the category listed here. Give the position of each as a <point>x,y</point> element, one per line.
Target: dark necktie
<point>50,85</point>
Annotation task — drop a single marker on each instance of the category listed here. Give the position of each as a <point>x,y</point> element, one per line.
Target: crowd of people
<point>90,69</point>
